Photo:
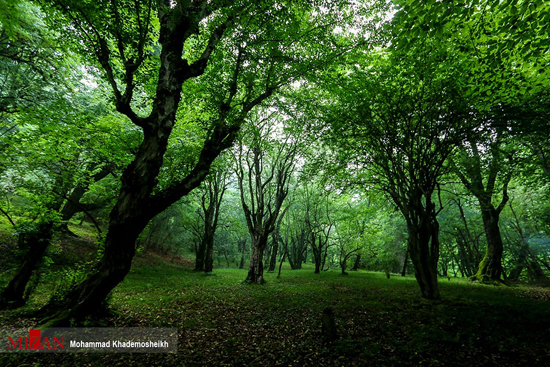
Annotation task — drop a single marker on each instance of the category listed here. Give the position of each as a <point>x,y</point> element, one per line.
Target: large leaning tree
<point>150,52</point>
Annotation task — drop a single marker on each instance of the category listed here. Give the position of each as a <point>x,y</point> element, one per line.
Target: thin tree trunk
<point>404,269</point>
<point>282,261</point>
<point>274,249</point>
<point>533,268</point>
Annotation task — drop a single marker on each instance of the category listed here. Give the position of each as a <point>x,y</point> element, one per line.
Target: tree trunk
<point>36,244</point>
<point>490,268</point>
<point>423,246</point>
<point>200,255</point>
<point>317,258</point>
<point>241,264</point>
<point>343,266</point>
<point>256,268</point>
<point>209,255</point>
<point>242,249</point>
<point>73,205</point>
<point>534,270</point>
<point>88,296</point>
<point>282,261</point>
<point>274,249</point>
<point>356,263</point>
<point>520,265</point>
<point>404,270</point>
<point>324,257</point>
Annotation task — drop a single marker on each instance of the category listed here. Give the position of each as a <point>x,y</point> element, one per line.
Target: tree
<point>51,163</point>
<point>471,175</point>
<point>318,224</point>
<point>505,67</point>
<point>294,239</point>
<point>150,53</point>
<point>523,232</point>
<point>264,169</point>
<point>211,200</point>
<point>396,122</point>
<point>276,240</point>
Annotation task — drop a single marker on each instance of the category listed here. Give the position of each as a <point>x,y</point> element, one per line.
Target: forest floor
<point>381,322</point>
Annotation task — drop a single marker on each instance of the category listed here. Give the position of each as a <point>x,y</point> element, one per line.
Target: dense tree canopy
<point>384,136</point>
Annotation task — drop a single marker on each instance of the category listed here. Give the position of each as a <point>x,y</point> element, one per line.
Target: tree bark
<point>317,259</point>
<point>274,250</point>
<point>423,245</point>
<point>356,263</point>
<point>276,238</point>
<point>405,261</point>
<point>242,248</point>
<point>209,254</point>
<point>317,253</point>
<point>200,255</point>
<point>88,296</point>
<point>36,244</point>
<point>424,259</point>
<point>490,268</point>
<point>256,267</point>
<point>73,205</point>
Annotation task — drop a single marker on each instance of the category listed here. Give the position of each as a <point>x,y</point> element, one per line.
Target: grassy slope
<point>381,322</point>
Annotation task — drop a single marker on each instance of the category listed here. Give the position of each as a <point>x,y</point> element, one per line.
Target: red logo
<point>35,342</point>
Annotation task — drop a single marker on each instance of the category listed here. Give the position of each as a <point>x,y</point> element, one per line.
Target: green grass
<point>382,322</point>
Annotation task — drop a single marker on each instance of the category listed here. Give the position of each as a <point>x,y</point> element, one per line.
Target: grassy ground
<point>381,322</point>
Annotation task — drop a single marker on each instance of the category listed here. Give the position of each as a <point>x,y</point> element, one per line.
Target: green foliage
<point>66,278</point>
<point>503,44</point>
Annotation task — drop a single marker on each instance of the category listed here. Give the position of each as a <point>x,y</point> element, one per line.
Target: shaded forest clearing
<point>346,140</point>
<point>381,322</point>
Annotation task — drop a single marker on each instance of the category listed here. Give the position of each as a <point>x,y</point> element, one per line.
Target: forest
<point>287,183</point>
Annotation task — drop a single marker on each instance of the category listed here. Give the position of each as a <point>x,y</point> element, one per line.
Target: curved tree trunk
<point>88,296</point>
<point>139,201</point>
<point>490,268</point>
<point>36,244</point>
<point>73,205</point>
